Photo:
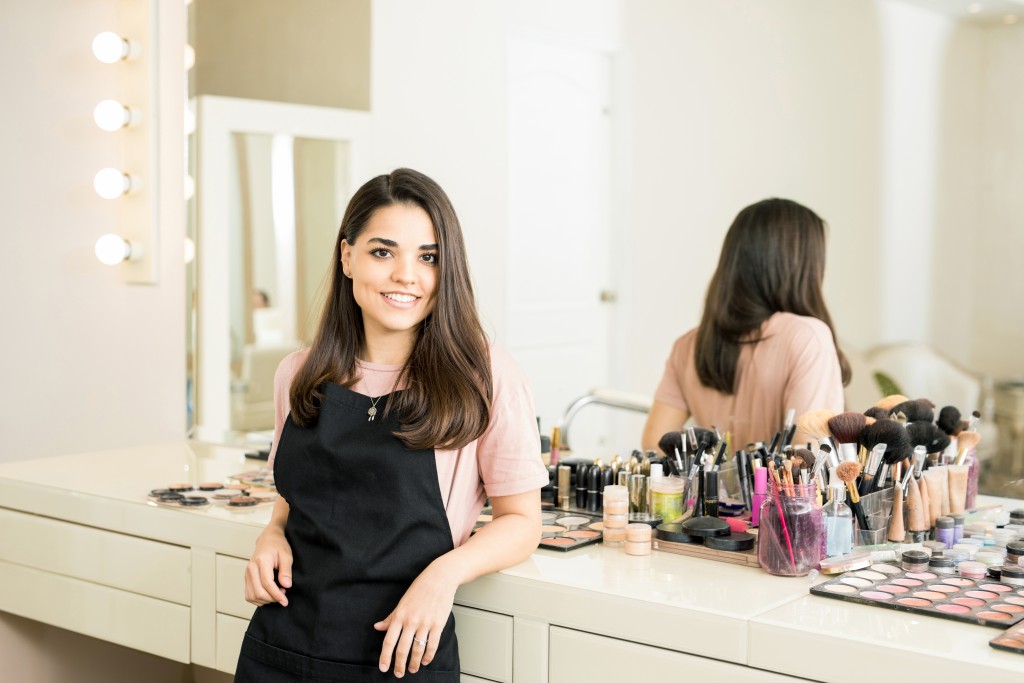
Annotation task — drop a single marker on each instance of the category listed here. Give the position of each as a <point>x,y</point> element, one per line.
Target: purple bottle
<point>944,531</point>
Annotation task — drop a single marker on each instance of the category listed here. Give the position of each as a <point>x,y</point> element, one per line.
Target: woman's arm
<point>662,419</point>
<point>272,552</point>
<point>423,611</point>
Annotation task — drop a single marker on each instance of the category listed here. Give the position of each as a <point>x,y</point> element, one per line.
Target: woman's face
<point>393,266</point>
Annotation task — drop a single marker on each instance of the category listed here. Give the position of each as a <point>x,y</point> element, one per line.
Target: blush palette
<point>560,530</point>
<point>975,601</point>
<point>1012,640</point>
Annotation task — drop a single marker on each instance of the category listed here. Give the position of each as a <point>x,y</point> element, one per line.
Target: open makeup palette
<point>976,601</point>
<point>561,530</point>
<point>233,496</point>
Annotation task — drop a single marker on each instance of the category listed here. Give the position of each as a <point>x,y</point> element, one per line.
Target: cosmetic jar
<point>1000,537</point>
<point>1017,516</point>
<point>935,547</point>
<point>980,527</point>
<point>995,573</point>
<point>1014,552</point>
<point>974,539</point>
<point>990,558</point>
<point>638,533</point>
<point>958,527</point>
<point>667,497</point>
<point>616,507</point>
<point>1013,575</point>
<point>944,531</point>
<point>968,548</point>
<point>638,548</point>
<point>615,521</point>
<point>914,560</point>
<point>942,565</point>
<point>957,556</point>
<point>614,536</point>
<point>616,493</point>
<point>971,570</point>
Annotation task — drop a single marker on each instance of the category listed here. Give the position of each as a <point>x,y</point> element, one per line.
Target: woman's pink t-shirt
<point>504,461</point>
<point>795,365</point>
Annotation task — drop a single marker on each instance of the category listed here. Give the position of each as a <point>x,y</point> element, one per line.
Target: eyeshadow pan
<point>907,582</point>
<point>969,602</point>
<point>1009,609</point>
<point>914,602</point>
<point>876,595</point>
<point>885,568</point>
<point>953,609</point>
<point>572,521</point>
<point>958,582</point>
<point>943,588</point>
<point>597,526</point>
<point>548,516</point>
<point>854,581</point>
<point>868,574</point>
<point>927,576</point>
<point>558,541</point>
<point>552,529</point>
<point>994,616</point>
<point>583,533</point>
<point>984,595</point>
<point>1014,600</point>
<point>930,595</point>
<point>839,588</point>
<point>995,587</point>
<point>889,588</point>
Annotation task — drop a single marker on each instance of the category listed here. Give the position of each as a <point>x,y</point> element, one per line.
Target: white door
<point>559,146</point>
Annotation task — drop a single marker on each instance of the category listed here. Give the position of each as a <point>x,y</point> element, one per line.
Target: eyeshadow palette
<point>560,530</point>
<point>263,478</point>
<point>1011,640</point>
<point>950,596</point>
<point>235,497</point>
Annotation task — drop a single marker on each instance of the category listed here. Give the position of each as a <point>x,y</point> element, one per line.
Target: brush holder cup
<point>877,509</point>
<point>790,533</point>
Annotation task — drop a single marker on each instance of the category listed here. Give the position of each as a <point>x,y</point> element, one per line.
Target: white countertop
<point>720,610</point>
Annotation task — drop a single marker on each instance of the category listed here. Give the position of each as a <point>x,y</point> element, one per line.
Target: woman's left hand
<point>414,626</point>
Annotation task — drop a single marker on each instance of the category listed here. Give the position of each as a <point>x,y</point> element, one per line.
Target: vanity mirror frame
<point>219,119</point>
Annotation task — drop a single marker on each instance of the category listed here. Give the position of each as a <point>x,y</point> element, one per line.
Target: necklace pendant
<point>372,412</point>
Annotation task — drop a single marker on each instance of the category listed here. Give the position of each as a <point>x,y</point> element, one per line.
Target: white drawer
<point>159,570</point>
<point>155,626</point>
<point>230,632</point>
<point>577,657</point>
<point>231,587</point>
<point>485,643</point>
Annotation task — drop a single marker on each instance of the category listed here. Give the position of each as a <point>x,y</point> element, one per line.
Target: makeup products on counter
<point>978,601</point>
<point>760,491</point>
<point>1011,640</point>
<point>232,496</point>
<point>638,539</point>
<point>559,530</point>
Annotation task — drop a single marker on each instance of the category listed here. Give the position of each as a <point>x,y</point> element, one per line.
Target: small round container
<point>995,573</point>
<point>180,488</point>
<point>914,560</point>
<point>638,533</point>
<point>941,565</point>
<point>613,492</point>
<point>210,486</point>
<point>638,548</point>
<point>616,507</point>
<point>957,556</point>
<point>944,531</point>
<point>958,527</point>
<point>974,540</point>
<point>1000,537</point>
<point>615,521</point>
<point>614,537</point>
<point>1014,551</point>
<point>982,527</point>
<point>968,548</point>
<point>990,558</point>
<point>1013,575</point>
<point>934,547</point>
<point>1017,516</point>
<point>971,570</point>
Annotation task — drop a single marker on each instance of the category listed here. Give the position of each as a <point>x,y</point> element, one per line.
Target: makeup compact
<point>233,496</point>
<point>976,601</point>
<point>1011,640</point>
<point>559,530</point>
<point>709,538</point>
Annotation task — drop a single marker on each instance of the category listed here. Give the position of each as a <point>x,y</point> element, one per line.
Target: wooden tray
<point>744,557</point>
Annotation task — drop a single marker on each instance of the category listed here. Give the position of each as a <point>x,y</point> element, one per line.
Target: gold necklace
<point>372,412</point>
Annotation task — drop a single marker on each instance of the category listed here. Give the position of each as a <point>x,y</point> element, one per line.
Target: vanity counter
<point>79,530</point>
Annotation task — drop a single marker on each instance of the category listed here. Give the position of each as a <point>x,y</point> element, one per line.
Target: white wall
<point>88,362</point>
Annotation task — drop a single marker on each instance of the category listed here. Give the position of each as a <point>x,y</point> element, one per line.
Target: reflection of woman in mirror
<point>392,428</point>
<point>765,343</point>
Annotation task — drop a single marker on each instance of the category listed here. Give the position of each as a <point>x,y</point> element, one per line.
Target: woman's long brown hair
<point>447,399</point>
<point>772,261</point>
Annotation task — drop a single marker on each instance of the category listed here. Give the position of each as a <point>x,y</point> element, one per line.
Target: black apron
<point>366,517</point>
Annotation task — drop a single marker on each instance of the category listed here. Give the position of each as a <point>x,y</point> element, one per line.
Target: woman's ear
<point>346,258</point>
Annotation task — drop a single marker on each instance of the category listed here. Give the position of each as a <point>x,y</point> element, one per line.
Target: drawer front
<point>485,643</point>
<point>230,631</point>
<point>150,568</point>
<point>155,626</point>
<point>231,587</point>
<point>577,657</point>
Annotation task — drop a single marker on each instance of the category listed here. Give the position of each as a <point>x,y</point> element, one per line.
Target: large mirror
<point>597,151</point>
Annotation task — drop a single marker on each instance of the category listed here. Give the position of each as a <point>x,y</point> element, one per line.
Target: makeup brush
<point>891,400</point>
<point>973,420</point>
<point>949,421</point>
<point>877,413</point>
<point>671,442</point>
<point>845,427</point>
<point>916,411</point>
<point>813,426</point>
<point>897,445</point>
<point>897,532</point>
<point>965,443</point>
<point>926,434</point>
<point>848,472</point>
<point>804,458</point>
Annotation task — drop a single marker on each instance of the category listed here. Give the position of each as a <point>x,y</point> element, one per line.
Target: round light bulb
<point>111,115</point>
<point>190,187</point>
<point>113,249</point>
<point>190,57</point>
<point>110,47</point>
<point>110,183</point>
<point>190,250</point>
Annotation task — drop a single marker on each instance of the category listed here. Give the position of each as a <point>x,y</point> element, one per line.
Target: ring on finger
<point>421,643</point>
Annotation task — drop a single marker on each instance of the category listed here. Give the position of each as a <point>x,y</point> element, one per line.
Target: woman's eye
<point>430,258</point>
<point>380,253</point>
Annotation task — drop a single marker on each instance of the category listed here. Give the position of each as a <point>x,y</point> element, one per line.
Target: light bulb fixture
<point>111,183</point>
<point>113,249</point>
<point>111,48</point>
<point>111,115</point>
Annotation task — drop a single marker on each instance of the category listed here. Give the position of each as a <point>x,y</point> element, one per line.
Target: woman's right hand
<point>272,552</point>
